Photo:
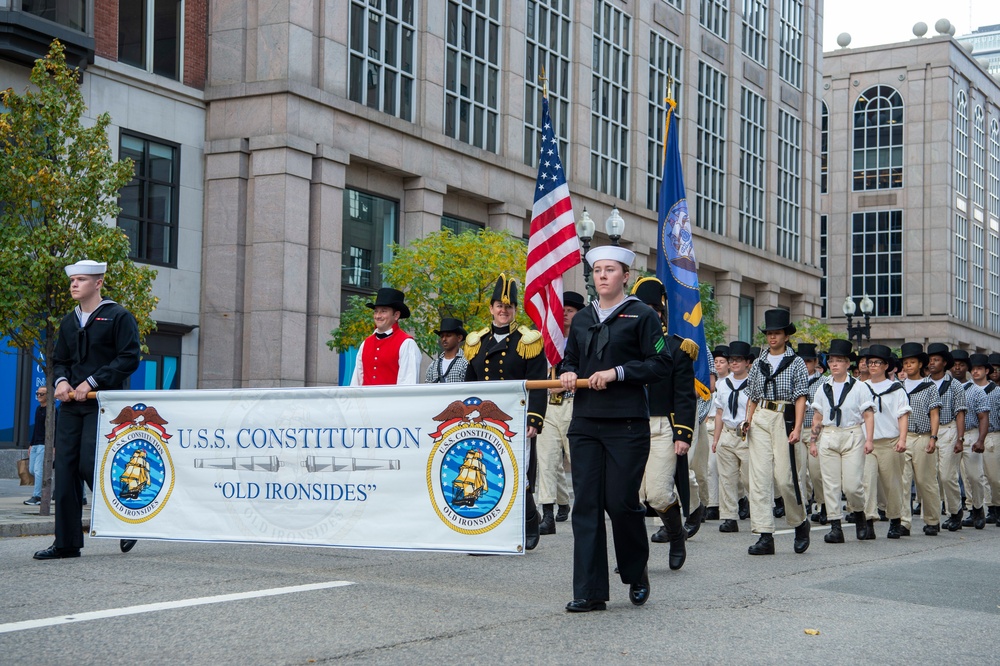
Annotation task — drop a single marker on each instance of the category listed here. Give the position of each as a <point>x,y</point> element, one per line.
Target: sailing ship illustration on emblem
<point>471,482</point>
<point>135,478</point>
<point>678,238</point>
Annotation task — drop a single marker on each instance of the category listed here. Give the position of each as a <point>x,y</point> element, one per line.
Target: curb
<point>29,528</point>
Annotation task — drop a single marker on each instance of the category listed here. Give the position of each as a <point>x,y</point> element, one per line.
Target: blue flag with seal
<point>676,266</point>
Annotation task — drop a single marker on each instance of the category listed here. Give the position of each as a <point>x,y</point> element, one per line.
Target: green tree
<point>59,184</point>
<point>715,328</point>
<point>443,275</point>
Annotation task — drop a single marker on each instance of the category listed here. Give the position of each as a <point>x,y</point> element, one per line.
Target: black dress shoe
<point>660,536</point>
<point>978,518</point>
<point>954,523</point>
<point>894,529</point>
<point>743,508</point>
<point>729,526</point>
<point>931,530</point>
<point>638,593</point>
<point>562,515</point>
<point>531,537</point>
<point>904,531</point>
<point>712,513</point>
<point>764,545</point>
<point>127,544</point>
<point>585,605</point>
<point>836,534</point>
<point>801,543</point>
<point>548,524</point>
<point>694,520</point>
<point>53,553</point>
<point>881,516</point>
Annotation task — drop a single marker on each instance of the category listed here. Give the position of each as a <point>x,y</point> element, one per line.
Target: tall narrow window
<point>710,182</point>
<point>745,322</point>
<point>753,167</point>
<point>994,191</point>
<point>824,148</point>
<point>610,100</point>
<point>877,260</point>
<point>664,63</point>
<point>993,227</point>
<point>370,229</point>
<point>961,251</point>
<point>790,42</point>
<point>472,73</point>
<point>547,46</point>
<point>878,139</point>
<point>789,185</point>
<point>150,36</point>
<point>994,268</point>
<point>149,202</point>
<point>755,30</point>
<point>382,47</point>
<point>979,158</point>
<point>822,264</point>
<point>715,16</point>
<point>962,144</point>
<point>978,274</point>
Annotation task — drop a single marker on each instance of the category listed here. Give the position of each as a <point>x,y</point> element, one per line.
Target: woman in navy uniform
<point>505,351</point>
<point>617,344</point>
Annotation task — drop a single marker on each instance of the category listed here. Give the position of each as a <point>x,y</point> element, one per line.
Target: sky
<point>874,22</point>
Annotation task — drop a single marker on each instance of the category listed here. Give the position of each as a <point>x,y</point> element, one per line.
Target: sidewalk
<point>18,519</point>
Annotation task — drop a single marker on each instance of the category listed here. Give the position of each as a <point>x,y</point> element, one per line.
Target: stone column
<point>727,295</point>
<point>423,205</point>
<point>277,259</point>
<point>326,214</point>
<point>227,168</point>
<point>765,299</point>
<point>504,217</point>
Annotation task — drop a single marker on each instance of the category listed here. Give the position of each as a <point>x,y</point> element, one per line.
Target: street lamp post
<point>585,228</point>
<point>859,332</point>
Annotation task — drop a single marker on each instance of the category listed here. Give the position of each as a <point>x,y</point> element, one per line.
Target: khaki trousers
<point>921,468</point>
<point>713,462</point>
<point>657,487</point>
<point>771,472</point>
<point>842,461</point>
<point>813,475</point>
<point>732,456</point>
<point>550,447</point>
<point>991,465</point>
<point>949,463</point>
<point>698,462</point>
<point>883,475</point>
<point>973,476</point>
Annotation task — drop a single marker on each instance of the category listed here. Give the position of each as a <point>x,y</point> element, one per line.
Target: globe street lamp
<point>585,228</point>
<point>859,332</point>
<point>615,226</point>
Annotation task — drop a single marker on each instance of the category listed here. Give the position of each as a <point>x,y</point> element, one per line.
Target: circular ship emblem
<point>136,472</point>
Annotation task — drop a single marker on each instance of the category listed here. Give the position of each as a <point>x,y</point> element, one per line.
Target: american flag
<point>553,247</point>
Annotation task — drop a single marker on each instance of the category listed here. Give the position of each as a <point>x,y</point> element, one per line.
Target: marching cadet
<point>450,365</point>
<point>703,463</point>
<point>812,472</point>
<point>729,442</point>
<point>617,344</point>
<point>920,461</point>
<point>672,412</point>
<point>778,382</point>
<point>991,450</point>
<point>503,351</point>
<point>951,430</point>
<point>840,409</point>
<point>721,357</point>
<point>389,355</point>
<point>978,402</point>
<point>884,465</point>
<point>553,442</point>
<point>97,349</point>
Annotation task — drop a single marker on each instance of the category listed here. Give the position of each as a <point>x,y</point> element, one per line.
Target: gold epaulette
<point>472,342</point>
<point>690,347</point>
<point>531,343</point>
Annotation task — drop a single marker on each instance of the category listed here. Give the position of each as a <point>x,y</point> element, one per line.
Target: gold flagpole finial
<point>545,83</point>
<point>670,87</point>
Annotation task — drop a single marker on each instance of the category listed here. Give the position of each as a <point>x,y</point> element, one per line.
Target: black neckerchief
<point>598,335</point>
<point>945,385</point>
<point>918,388</point>
<point>835,412</point>
<point>813,380</point>
<point>894,386</point>
<point>734,395</point>
<point>989,388</point>
<point>440,365</point>
<point>765,369</point>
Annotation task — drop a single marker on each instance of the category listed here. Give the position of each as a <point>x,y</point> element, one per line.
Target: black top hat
<point>880,352</point>
<point>740,349</point>
<point>451,325</point>
<point>650,291</point>
<point>505,290</point>
<point>960,355</point>
<point>721,351</point>
<point>994,359</point>
<point>843,348</point>
<point>391,298</point>
<point>807,351</point>
<point>754,351</point>
<point>778,320</point>
<point>981,359</point>
<point>913,350</point>
<point>574,300</point>
<point>941,349</point>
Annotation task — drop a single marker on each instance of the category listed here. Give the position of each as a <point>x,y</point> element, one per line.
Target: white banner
<point>426,467</point>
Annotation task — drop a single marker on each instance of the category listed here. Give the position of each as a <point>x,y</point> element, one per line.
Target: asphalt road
<point>916,600</point>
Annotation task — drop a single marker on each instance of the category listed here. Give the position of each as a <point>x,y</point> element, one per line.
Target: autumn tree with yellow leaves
<point>442,275</point>
<point>59,188</point>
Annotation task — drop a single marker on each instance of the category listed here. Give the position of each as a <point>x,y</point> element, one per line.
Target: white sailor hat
<point>612,252</point>
<point>87,267</point>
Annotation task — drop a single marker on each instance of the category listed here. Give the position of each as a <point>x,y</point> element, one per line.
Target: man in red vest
<point>389,355</point>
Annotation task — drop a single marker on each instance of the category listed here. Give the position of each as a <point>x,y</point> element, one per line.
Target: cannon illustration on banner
<point>334,464</point>
<point>246,463</point>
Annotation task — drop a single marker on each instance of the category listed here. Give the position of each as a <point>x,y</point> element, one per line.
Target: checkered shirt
<point>993,404</point>
<point>975,399</point>
<point>952,399</point>
<point>456,373</point>
<point>922,400</point>
<point>815,381</point>
<point>705,406</point>
<point>790,385</point>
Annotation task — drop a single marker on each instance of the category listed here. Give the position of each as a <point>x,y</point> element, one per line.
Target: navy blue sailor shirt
<point>631,342</point>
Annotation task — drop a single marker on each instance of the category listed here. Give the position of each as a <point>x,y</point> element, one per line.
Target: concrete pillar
<point>727,295</point>
<point>765,299</point>
<point>504,217</point>
<point>423,206</point>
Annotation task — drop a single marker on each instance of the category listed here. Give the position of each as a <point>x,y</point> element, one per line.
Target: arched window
<point>962,144</point>
<point>878,139</point>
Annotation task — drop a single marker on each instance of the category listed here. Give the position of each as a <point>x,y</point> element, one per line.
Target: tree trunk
<point>50,423</point>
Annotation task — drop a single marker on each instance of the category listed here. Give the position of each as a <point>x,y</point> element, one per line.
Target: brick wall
<point>106,28</point>
<point>195,43</point>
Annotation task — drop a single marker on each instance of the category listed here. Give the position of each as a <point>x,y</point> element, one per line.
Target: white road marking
<point>166,605</point>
